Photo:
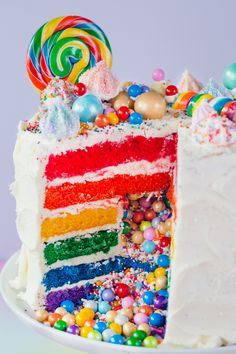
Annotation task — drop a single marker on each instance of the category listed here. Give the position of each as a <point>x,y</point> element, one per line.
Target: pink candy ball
<point>149,233</point>
<point>140,318</point>
<point>145,203</point>
<point>158,74</point>
<point>109,110</point>
<point>127,302</point>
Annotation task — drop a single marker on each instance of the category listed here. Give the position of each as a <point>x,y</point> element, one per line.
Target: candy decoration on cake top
<point>66,47</point>
<point>101,81</point>
<point>209,128</point>
<point>189,83</point>
<point>59,121</point>
<point>215,89</point>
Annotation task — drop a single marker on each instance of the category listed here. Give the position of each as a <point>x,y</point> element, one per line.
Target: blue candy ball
<point>100,326</point>
<point>117,339</point>
<point>145,88</point>
<point>108,295</point>
<point>149,246</point>
<point>157,320</point>
<point>134,90</point>
<point>148,297</point>
<point>229,77</point>
<point>135,118</point>
<point>163,292</point>
<point>163,261</point>
<point>88,107</point>
<point>103,307</point>
<point>155,222</point>
<point>68,305</point>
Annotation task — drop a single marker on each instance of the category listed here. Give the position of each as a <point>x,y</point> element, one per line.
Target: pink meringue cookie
<point>100,81</point>
<point>209,128</point>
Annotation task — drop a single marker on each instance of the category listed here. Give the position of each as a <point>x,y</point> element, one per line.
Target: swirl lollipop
<point>66,47</point>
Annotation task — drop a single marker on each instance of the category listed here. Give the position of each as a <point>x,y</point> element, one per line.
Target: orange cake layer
<point>77,193</point>
<point>86,219</point>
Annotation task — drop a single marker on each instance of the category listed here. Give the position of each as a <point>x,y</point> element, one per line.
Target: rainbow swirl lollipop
<point>66,47</point>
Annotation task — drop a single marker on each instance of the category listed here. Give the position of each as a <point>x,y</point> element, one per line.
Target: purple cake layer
<point>54,298</point>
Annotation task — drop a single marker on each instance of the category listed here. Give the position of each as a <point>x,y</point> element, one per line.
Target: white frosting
<point>202,308</point>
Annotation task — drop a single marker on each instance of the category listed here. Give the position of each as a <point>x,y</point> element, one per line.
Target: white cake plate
<point>26,315</point>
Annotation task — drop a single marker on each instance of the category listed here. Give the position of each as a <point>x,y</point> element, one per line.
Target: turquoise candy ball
<point>87,107</point>
<point>103,307</point>
<point>229,77</point>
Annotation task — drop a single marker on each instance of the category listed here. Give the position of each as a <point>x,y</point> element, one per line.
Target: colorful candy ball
<point>121,319</point>
<point>101,121</point>
<point>127,302</point>
<point>108,295</point>
<point>122,290</point>
<point>80,89</point>
<point>60,325</point>
<point>150,342</point>
<point>149,247</point>
<point>134,91</point>
<point>73,329</point>
<point>68,305</point>
<point>41,315</point>
<point>144,225</point>
<point>91,304</point>
<point>163,261</point>
<point>94,335</point>
<point>100,326</point>
<point>103,307</point>
<point>135,118</point>
<point>160,302</point>
<point>157,320</point>
<point>148,297</point>
<point>158,74</point>
<point>155,222</point>
<point>140,318</point>
<point>117,339</point>
<point>229,76</point>
<point>134,342</point>
<point>87,107</point>
<point>149,233</point>
<point>123,113</point>
<point>137,237</point>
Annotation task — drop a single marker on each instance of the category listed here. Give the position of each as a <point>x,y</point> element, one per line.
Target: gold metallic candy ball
<point>151,105</point>
<point>127,312</point>
<point>129,328</point>
<point>61,311</point>
<point>69,319</point>
<point>137,237</point>
<point>162,228</point>
<point>161,282</point>
<point>122,99</point>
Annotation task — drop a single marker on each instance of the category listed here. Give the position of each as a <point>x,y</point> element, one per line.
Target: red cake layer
<point>98,156</point>
<point>69,194</point>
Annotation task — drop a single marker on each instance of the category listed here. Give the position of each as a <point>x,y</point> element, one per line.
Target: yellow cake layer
<point>86,219</point>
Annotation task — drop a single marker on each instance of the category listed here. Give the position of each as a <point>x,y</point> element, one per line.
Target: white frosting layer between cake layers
<point>202,309</point>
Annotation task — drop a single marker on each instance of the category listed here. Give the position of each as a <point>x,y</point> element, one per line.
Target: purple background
<point>198,35</point>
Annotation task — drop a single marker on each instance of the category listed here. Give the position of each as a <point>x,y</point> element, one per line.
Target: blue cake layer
<point>58,277</point>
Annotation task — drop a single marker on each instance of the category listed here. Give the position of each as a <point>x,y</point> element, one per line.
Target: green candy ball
<point>144,225</point>
<point>126,228</point>
<point>139,334</point>
<point>229,77</point>
<point>134,342</point>
<point>60,325</point>
<point>150,342</point>
<point>95,335</point>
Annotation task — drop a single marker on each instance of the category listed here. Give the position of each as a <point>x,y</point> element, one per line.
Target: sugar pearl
<point>129,328</point>
<point>41,315</point>
<point>61,311</point>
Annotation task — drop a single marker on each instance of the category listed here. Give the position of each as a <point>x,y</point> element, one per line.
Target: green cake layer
<point>77,246</point>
